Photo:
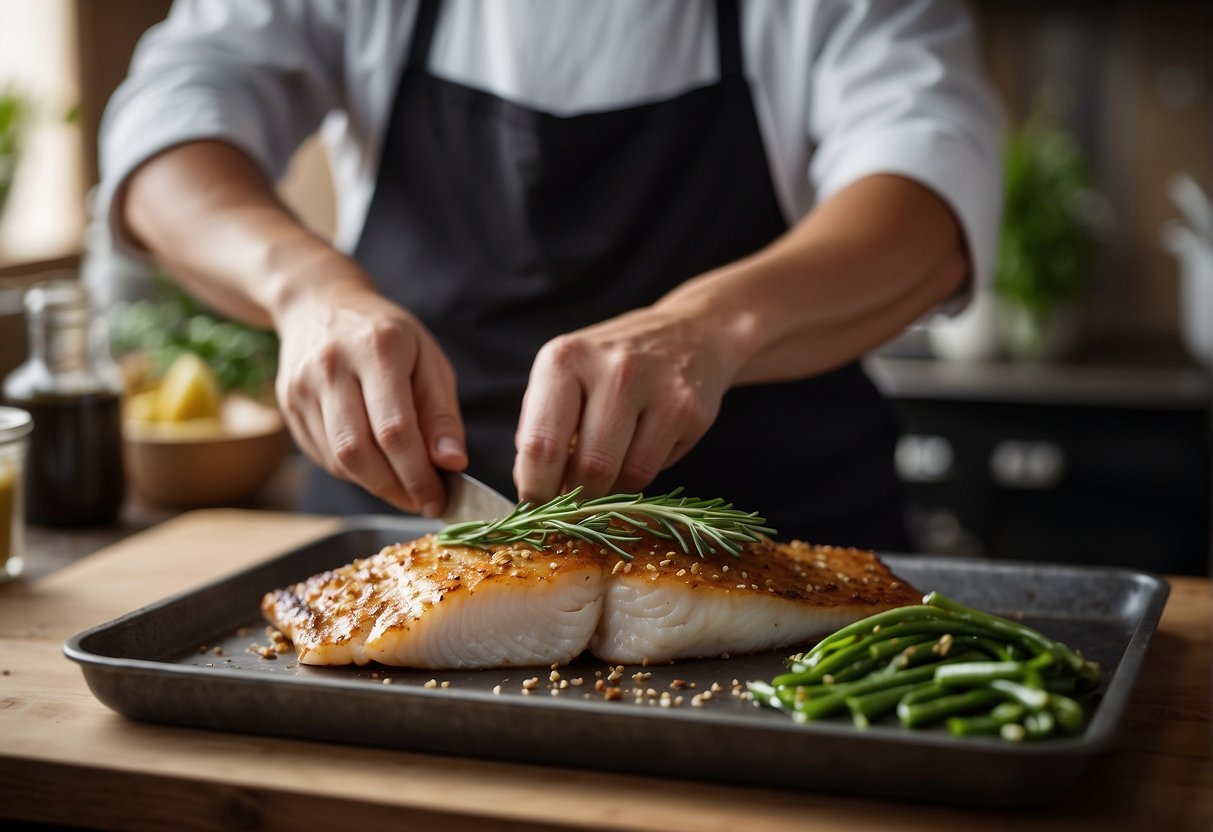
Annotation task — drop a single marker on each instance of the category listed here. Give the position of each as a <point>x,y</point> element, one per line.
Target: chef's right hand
<point>366,390</point>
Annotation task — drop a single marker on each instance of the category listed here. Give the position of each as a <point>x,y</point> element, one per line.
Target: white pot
<point>1029,335</point>
<point>973,335</point>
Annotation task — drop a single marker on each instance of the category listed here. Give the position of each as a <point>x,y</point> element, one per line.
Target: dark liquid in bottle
<point>74,474</point>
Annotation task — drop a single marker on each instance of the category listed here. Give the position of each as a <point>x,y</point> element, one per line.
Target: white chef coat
<point>842,89</point>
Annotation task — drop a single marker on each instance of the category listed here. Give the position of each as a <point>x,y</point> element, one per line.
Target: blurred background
<point>1065,417</point>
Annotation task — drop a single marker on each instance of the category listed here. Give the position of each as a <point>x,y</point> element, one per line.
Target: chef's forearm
<point>209,214</point>
<point>853,274</point>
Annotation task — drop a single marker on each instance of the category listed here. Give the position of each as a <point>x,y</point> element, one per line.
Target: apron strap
<point>423,34</point>
<point>728,38</point>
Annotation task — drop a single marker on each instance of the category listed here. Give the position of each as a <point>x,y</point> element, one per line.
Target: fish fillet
<point>423,605</point>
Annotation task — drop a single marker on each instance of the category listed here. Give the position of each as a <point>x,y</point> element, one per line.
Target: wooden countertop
<point>66,759</point>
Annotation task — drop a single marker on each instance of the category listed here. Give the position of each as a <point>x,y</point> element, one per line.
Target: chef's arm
<point>851,275</point>
<point>637,391</point>
<point>211,216</point>
<point>365,389</point>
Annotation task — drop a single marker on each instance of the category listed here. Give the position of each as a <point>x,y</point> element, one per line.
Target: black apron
<point>502,227</point>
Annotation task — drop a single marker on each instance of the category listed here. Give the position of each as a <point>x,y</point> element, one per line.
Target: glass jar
<point>72,389</point>
<point>15,427</point>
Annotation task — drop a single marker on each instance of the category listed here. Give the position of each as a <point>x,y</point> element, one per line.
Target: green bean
<point>765,693</point>
<point>991,723</point>
<point>1033,640</point>
<point>934,710</point>
<point>815,708</point>
<point>855,670</point>
<point>1038,725</point>
<point>890,648</point>
<point>894,616</point>
<point>1031,698</point>
<point>1067,712</point>
<point>938,661</point>
<point>840,659</point>
<point>925,693</point>
<point>1012,732</point>
<point>871,705</point>
<point>978,673</point>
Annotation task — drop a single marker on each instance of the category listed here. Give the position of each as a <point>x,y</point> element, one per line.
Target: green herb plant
<point>14,112</point>
<point>1050,241</point>
<point>940,661</point>
<point>690,523</point>
<point>173,322</point>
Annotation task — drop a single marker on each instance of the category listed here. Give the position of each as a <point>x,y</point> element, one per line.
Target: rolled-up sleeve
<point>258,74</point>
<point>898,88</point>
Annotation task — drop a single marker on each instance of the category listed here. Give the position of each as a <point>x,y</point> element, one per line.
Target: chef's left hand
<point>628,396</point>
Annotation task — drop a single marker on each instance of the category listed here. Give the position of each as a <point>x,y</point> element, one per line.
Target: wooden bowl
<point>197,465</point>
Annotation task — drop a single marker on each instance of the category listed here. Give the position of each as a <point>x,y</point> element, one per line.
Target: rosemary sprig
<point>705,525</point>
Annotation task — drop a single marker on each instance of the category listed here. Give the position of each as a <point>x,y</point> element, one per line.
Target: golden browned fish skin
<point>424,605</point>
<point>356,613</point>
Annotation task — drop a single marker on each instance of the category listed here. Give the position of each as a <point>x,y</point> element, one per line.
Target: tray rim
<point>1099,733</point>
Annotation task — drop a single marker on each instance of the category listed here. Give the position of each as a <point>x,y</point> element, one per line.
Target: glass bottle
<point>15,426</point>
<point>72,388</point>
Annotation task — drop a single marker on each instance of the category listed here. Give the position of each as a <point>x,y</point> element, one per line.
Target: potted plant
<point>13,112</point>
<point>1050,241</point>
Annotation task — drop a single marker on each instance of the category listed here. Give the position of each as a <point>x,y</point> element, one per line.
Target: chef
<point>621,245</point>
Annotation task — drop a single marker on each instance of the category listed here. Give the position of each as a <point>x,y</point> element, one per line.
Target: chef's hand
<point>368,394</point>
<point>629,396</point>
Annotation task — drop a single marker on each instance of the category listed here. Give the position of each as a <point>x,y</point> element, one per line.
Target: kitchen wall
<point>1138,79</point>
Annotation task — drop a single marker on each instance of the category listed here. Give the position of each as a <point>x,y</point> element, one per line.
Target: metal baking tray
<point>160,664</point>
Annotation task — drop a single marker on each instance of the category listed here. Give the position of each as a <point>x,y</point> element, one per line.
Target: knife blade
<point>467,498</point>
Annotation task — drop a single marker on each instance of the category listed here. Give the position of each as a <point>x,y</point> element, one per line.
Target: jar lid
<point>14,424</point>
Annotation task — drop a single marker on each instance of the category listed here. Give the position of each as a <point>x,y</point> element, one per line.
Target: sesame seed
<point>724,568</point>
<point>695,568</point>
<point>564,683</point>
<point>387,681</point>
<point>531,683</point>
<point>741,586</point>
<point>445,683</point>
<point>617,567</point>
<point>432,683</point>
<point>554,691</point>
<point>554,676</point>
<point>552,565</point>
<point>578,682</point>
<point>497,690</point>
<point>650,567</point>
<point>680,572</point>
<point>627,568</point>
<point>641,676</point>
<point>665,562</point>
<point>697,700</point>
